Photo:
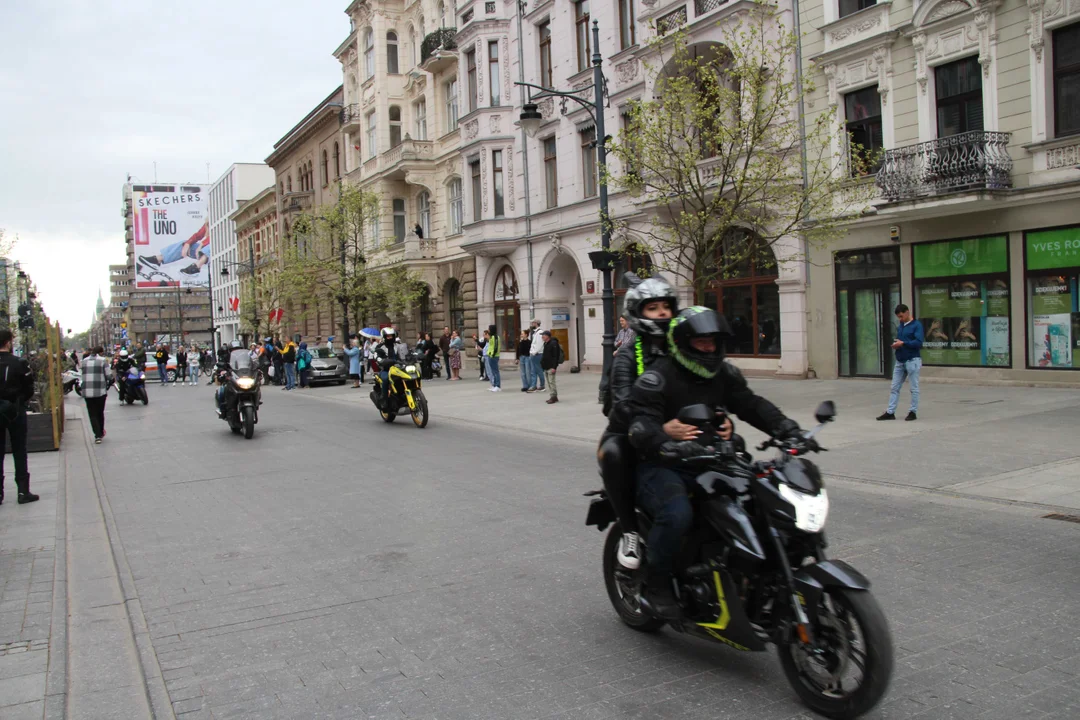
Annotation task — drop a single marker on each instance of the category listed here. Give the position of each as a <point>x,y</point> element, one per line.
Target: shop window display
<point>961,293</point>
<point>1052,269</point>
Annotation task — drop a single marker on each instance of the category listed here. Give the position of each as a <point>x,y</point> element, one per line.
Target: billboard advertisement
<point>172,239</point>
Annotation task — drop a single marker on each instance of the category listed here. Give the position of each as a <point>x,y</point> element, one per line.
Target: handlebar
<point>793,446</point>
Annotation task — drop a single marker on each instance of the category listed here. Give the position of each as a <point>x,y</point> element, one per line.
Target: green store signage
<point>1051,249</point>
<point>953,258</point>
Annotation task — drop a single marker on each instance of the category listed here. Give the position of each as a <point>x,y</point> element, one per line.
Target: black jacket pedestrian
<point>181,359</point>
<point>16,379</point>
<point>549,359</point>
<point>289,355</point>
<point>523,347</point>
<point>161,357</point>
<point>665,388</point>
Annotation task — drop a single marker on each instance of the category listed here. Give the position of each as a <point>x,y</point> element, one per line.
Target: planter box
<point>39,433</point>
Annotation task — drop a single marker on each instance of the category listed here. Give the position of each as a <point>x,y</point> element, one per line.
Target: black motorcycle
<point>243,396</point>
<point>132,386</point>
<point>752,570</point>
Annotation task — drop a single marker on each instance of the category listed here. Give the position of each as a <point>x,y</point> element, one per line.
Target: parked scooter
<point>73,381</point>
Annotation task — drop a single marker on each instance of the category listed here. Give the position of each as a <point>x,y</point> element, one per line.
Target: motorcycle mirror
<point>825,412</point>
<point>699,414</point>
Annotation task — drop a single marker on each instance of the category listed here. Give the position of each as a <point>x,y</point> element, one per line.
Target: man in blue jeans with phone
<point>908,347</point>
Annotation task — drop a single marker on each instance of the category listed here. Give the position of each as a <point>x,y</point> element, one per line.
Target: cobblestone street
<point>338,567</point>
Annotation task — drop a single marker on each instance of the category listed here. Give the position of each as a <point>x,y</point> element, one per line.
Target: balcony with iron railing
<point>971,161</point>
<point>667,17</point>
<point>351,118</point>
<point>438,51</point>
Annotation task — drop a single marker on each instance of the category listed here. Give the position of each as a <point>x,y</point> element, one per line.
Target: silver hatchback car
<point>328,367</point>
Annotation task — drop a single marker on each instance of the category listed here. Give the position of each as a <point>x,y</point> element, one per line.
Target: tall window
<point>493,72</point>
<point>1067,80</point>
<point>423,211</point>
<point>958,88</point>
<point>395,126</point>
<point>371,134</point>
<point>747,295</point>
<point>391,53</point>
<point>627,32</point>
<point>420,112</point>
<point>588,161</point>
<point>442,14</point>
<point>451,105</point>
<point>325,170</point>
<point>369,53</point>
<point>848,7</point>
<point>551,172</point>
<point>544,31</point>
<point>453,194</point>
<point>581,20</point>
<point>337,161</point>
<point>477,199</point>
<point>626,123</point>
<point>399,219</point>
<point>863,113</point>
<point>497,180</point>
<point>373,231</point>
<point>288,181</point>
<point>455,306</point>
<point>414,47</point>
<point>470,66</point>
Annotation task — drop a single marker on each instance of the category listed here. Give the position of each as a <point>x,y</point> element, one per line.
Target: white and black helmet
<point>642,292</point>
<point>388,332</point>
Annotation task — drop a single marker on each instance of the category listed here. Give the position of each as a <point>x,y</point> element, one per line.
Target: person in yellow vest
<point>492,350</point>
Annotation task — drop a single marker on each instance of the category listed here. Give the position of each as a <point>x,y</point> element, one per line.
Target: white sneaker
<point>494,389</point>
<point>498,389</point>
<point>629,553</point>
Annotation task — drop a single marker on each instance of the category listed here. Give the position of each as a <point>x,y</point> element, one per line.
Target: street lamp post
<point>603,259</point>
<point>250,267</point>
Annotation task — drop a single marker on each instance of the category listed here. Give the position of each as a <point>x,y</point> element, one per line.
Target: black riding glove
<point>681,450</point>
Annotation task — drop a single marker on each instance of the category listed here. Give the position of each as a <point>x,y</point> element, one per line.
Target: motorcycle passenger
<point>694,372</point>
<point>649,306</point>
<point>391,350</point>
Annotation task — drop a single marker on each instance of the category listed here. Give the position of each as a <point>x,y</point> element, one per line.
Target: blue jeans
<point>290,375</point>
<point>525,368</point>
<point>193,372</point>
<point>163,373</point>
<point>538,372</point>
<point>909,370</point>
<point>661,492</point>
<point>493,372</point>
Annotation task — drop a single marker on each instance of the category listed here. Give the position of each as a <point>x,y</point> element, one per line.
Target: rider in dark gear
<point>693,373</point>
<point>648,308</point>
<point>120,372</point>
<point>389,351</point>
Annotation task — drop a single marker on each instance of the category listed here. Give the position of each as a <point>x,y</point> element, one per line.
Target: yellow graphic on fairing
<point>722,621</point>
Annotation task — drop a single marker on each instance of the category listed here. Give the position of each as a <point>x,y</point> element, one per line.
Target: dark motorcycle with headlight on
<point>752,571</point>
<point>242,396</point>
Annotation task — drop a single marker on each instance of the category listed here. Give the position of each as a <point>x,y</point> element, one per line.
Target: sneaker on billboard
<point>192,269</point>
<point>148,260</point>
<point>629,552</point>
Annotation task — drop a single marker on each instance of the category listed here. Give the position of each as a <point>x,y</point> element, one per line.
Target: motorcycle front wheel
<point>420,414</point>
<point>624,588</point>
<point>248,422</point>
<point>387,416</point>
<point>78,389</point>
<point>848,670</point>
<point>143,396</point>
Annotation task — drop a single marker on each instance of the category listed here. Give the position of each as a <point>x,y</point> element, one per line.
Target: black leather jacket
<point>617,386</point>
<point>665,388</point>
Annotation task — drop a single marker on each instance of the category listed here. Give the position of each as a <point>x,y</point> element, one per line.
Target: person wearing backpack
<point>16,389</point>
<point>303,364</point>
<point>550,359</point>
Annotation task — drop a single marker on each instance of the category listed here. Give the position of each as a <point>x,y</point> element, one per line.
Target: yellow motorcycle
<point>405,393</point>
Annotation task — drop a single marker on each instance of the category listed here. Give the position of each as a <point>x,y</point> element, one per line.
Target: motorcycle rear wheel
<point>78,389</point>
<point>616,579</point>
<point>248,422</point>
<point>420,414</point>
<point>847,617</point>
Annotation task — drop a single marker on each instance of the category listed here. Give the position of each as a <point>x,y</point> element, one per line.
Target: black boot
<point>1,492</point>
<point>25,496</point>
<point>659,600</point>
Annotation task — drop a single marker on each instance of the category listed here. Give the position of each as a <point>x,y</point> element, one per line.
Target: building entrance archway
<point>562,288</point>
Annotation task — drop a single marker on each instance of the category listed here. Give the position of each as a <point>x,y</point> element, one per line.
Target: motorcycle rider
<point>120,372</point>
<point>693,373</point>
<point>649,306</point>
<point>237,359</point>
<point>391,350</point>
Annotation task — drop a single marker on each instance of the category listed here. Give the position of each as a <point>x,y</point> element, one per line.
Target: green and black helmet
<point>698,322</point>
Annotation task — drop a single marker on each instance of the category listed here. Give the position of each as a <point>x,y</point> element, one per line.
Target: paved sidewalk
<point>1014,444</point>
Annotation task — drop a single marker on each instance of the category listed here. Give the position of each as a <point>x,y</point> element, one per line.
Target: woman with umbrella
<point>367,355</point>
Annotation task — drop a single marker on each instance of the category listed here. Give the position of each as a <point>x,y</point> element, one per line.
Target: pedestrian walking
<point>288,361</point>
<point>95,390</point>
<point>16,389</point>
<point>303,365</point>
<point>181,366</point>
<point>535,353</point>
<point>626,334</point>
<point>550,360</point>
<point>480,344</point>
<point>493,350</point>
<point>456,347</point>
<point>444,348</point>
<point>352,351</point>
<point>908,347</point>
<point>161,357</point>
<point>524,360</point>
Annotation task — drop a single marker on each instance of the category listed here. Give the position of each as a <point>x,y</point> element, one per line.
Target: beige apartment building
<point>975,107</point>
<point>308,163</point>
<point>258,235</point>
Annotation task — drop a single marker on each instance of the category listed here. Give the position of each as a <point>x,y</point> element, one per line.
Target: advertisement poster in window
<point>1052,340</point>
<point>997,341</point>
<point>964,323</point>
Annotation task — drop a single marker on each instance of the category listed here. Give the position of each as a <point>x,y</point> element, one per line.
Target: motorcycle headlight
<point>410,369</point>
<point>810,510</point>
<point>142,376</point>
<point>245,383</point>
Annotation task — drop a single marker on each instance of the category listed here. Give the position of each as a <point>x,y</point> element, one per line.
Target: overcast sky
<point>92,90</point>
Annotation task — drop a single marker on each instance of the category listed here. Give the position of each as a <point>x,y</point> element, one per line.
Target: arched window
<point>281,187</point>
<point>423,211</point>
<point>325,169</point>
<point>288,181</point>
<point>369,53</point>
<point>421,23</point>
<point>391,53</point>
<point>442,14</point>
<point>455,306</point>
<point>425,311</point>
<point>395,126</point>
<point>633,258</point>
<point>507,310</point>
<point>454,207</point>
<point>743,289</point>
<point>337,161</point>
<point>414,47</point>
